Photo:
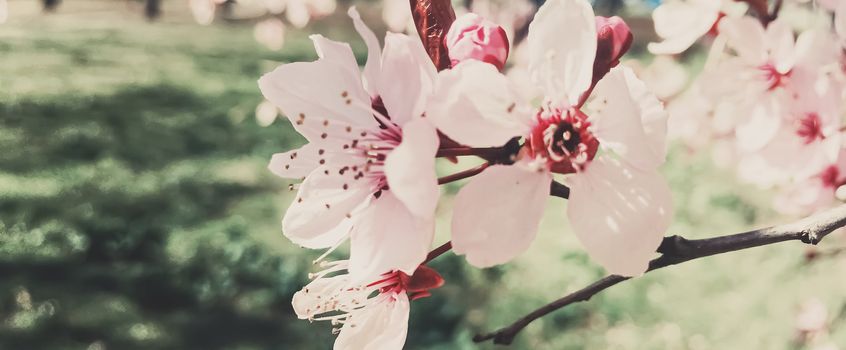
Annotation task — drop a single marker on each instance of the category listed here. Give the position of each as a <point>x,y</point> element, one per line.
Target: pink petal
<point>763,120</point>
<point>324,201</point>
<point>475,105</point>
<point>374,53</point>
<point>620,214</point>
<point>407,77</point>
<point>496,215</point>
<point>779,41</point>
<point>387,237</point>
<point>746,36</point>
<point>410,168</point>
<point>382,325</point>
<point>562,47</point>
<point>629,119</point>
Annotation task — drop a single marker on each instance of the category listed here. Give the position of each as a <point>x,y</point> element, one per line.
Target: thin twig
<point>464,174</point>
<point>676,249</point>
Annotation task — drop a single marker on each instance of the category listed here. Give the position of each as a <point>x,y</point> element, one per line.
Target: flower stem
<point>467,151</point>
<point>438,252</point>
<point>463,174</point>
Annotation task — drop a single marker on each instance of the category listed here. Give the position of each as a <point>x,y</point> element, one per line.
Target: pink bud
<point>613,40</point>
<point>474,37</point>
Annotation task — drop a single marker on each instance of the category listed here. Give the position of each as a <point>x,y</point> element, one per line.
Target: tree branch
<point>676,249</point>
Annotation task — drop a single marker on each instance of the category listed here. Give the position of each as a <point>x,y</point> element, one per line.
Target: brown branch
<point>676,249</point>
<point>557,189</point>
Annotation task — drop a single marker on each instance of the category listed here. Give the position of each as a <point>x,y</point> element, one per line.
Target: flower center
<point>773,76</point>
<point>829,177</point>
<point>564,139</point>
<point>809,128</point>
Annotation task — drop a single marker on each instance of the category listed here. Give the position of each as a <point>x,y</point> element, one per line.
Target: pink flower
<point>815,192</point>
<point>371,315</point>
<point>472,37</point>
<point>369,164</point>
<point>768,69</point>
<point>619,206</point>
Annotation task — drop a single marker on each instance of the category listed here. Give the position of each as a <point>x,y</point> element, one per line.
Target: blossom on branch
<point>370,315</point>
<point>369,164</point>
<point>608,138</point>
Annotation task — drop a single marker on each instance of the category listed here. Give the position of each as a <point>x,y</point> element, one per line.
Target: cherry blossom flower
<point>809,139</point>
<point>369,164</point>
<point>474,37</point>
<point>619,205</point>
<point>815,192</point>
<point>371,315</point>
<point>768,70</point>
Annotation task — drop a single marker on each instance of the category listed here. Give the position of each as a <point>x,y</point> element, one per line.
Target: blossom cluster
<point>770,96</point>
<point>369,173</point>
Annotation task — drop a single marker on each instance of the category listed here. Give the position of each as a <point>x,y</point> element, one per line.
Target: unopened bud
<point>613,40</point>
<point>474,37</point>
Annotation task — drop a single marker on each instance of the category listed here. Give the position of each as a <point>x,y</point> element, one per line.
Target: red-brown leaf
<point>433,19</point>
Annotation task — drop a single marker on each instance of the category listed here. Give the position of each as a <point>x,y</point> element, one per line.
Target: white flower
<point>369,164</point>
<point>370,315</point>
<point>619,204</point>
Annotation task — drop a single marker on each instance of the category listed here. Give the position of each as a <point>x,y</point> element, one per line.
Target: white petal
<point>629,120</point>
<point>374,52</point>
<point>295,164</point>
<point>619,214</point>
<point>746,36</point>
<point>380,326</point>
<point>310,301</point>
<point>324,201</point>
<point>496,215</point>
<point>562,47</point>
<point>335,51</point>
<point>410,168</point>
<point>681,23</point>
<point>388,237</point>
<point>475,105</point>
<point>407,77</point>
<point>315,94</point>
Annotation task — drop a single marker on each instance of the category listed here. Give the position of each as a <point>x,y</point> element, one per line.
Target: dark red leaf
<point>432,18</point>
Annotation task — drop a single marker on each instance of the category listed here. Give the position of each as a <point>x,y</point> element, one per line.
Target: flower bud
<point>613,40</point>
<point>474,37</point>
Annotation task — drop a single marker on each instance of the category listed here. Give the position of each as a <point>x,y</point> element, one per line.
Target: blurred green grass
<point>136,213</point>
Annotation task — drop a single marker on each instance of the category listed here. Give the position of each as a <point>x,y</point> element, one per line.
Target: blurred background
<point>136,211</point>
